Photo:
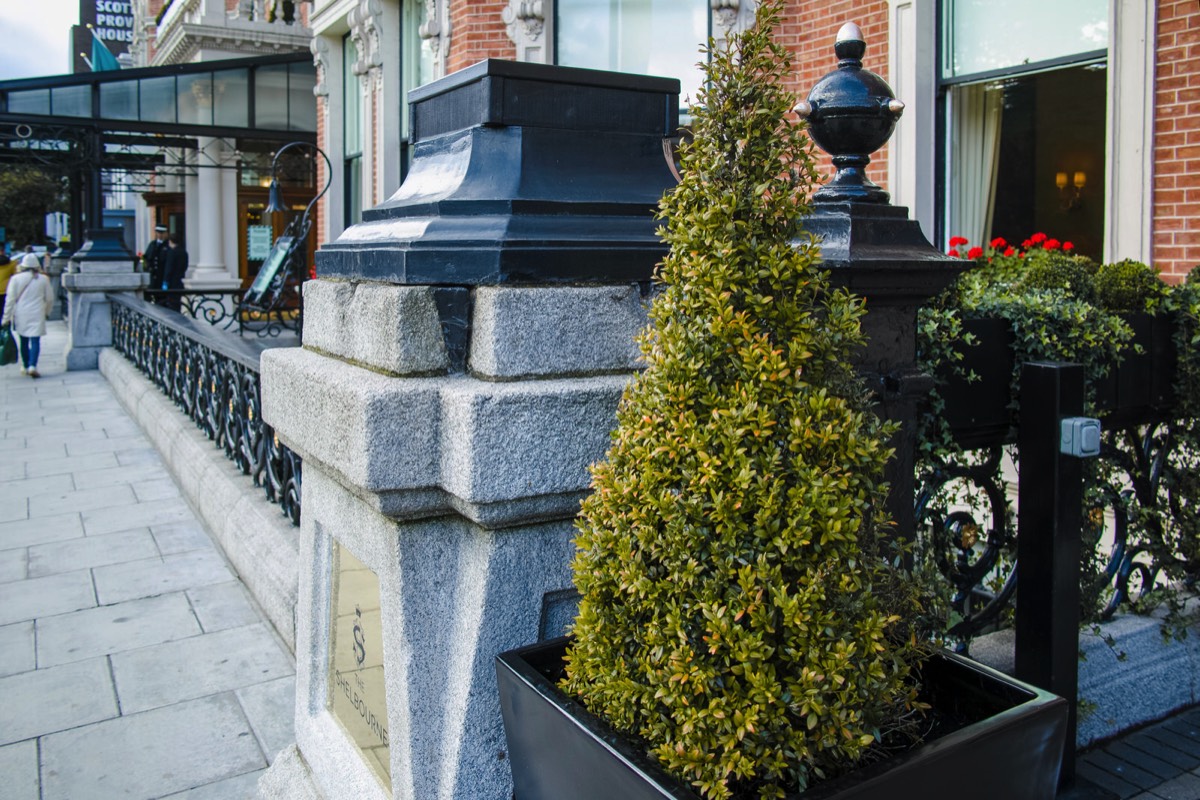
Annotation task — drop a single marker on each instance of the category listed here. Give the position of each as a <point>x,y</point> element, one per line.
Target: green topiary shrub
<point>1054,269</point>
<point>1127,286</point>
<point>727,559</point>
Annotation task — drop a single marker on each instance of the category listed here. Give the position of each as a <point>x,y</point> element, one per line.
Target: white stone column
<point>191,198</point>
<point>229,222</point>
<point>207,250</point>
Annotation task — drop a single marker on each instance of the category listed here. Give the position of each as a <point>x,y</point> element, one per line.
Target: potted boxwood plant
<point>742,631</point>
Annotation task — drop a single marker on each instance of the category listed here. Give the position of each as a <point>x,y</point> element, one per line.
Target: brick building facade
<point>1177,138</point>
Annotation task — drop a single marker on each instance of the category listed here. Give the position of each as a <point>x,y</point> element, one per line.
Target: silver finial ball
<point>850,33</point>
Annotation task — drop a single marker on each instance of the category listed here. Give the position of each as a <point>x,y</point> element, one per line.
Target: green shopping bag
<point>8,346</point>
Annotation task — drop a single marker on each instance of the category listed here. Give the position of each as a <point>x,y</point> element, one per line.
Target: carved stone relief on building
<point>320,50</point>
<point>525,22</point>
<point>436,31</point>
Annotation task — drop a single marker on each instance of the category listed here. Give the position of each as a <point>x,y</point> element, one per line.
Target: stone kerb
<point>465,350</point>
<point>1129,675</point>
<point>102,265</point>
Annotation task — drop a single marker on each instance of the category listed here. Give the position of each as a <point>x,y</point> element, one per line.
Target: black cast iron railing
<point>225,310</point>
<point>964,508</point>
<point>212,376</point>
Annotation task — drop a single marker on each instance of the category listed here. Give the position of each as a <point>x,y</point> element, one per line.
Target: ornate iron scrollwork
<point>219,394</point>
<point>281,313</point>
<point>975,555</point>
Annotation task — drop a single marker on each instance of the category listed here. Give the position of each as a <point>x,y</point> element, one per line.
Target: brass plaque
<point>357,696</point>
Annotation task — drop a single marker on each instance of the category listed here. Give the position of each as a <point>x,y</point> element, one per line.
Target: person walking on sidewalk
<point>8,268</point>
<point>26,306</point>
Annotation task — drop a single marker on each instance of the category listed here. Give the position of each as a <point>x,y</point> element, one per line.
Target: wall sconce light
<point>1070,189</point>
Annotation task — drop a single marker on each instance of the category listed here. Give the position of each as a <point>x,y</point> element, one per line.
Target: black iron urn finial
<point>851,113</point>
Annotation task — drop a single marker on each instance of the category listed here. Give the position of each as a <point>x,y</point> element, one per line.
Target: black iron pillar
<point>522,173</point>
<point>1049,519</point>
<point>93,212</point>
<point>874,249</point>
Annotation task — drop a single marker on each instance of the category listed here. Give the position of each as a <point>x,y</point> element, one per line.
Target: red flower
<point>954,253</point>
<point>1038,238</point>
<point>974,253</point>
<point>1008,251</point>
<point>1068,247</point>
<point>998,243</point>
<point>955,241</point>
<point>1020,255</point>
<point>1026,244</point>
<point>1052,244</point>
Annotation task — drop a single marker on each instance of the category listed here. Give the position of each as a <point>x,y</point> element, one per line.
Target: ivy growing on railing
<point>1143,534</point>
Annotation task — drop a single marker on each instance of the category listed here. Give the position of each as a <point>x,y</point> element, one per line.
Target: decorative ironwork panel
<point>220,394</point>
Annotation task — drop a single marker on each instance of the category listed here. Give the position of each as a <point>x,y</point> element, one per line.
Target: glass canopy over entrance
<point>127,130</point>
<point>270,96</point>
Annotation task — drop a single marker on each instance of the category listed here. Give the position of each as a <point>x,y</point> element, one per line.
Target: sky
<point>36,36</point>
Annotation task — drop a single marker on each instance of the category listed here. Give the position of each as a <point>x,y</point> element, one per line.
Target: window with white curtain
<point>649,37</point>
<point>1024,92</point>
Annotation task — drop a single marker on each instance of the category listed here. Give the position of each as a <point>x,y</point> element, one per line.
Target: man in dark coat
<point>175,266</point>
<point>155,256</point>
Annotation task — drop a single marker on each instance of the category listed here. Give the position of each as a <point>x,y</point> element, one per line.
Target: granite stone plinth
<point>89,325</point>
<point>497,453</point>
<point>538,332</point>
<point>395,329</point>
<point>454,594</point>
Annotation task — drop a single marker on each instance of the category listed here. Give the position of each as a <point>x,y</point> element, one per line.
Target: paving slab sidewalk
<point>133,663</point>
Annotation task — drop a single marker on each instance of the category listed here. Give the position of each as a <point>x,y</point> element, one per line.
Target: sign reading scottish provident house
<point>112,22</point>
<point>357,695</point>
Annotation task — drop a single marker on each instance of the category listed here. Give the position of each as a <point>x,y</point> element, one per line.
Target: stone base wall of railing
<point>258,540</point>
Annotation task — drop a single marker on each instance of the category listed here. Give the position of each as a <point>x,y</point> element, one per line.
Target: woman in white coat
<point>26,306</point>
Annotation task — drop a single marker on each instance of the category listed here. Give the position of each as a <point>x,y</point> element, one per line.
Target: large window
<point>416,69</point>
<point>351,134</point>
<point>1024,93</point>
<point>650,37</point>
<point>987,35</point>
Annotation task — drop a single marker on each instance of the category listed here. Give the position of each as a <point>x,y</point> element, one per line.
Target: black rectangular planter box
<point>1133,393</point>
<point>1010,750</point>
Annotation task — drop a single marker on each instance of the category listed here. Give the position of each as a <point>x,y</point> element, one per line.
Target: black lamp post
<point>299,226</point>
<point>267,291</point>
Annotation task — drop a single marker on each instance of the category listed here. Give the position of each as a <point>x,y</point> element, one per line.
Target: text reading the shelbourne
<point>360,705</point>
<point>356,683</point>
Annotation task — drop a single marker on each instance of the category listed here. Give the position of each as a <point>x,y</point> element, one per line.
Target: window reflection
<point>649,37</point>
<point>271,98</point>
<point>195,96</point>
<point>158,99</point>
<point>986,35</point>
<point>71,101</point>
<point>33,101</point>
<point>302,106</point>
<point>231,98</point>
<point>119,100</point>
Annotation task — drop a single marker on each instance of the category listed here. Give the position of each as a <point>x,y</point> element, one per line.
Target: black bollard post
<point>1052,440</point>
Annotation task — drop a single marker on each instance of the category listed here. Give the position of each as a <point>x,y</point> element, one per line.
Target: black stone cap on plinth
<point>522,173</point>
<point>879,254</point>
<point>104,244</point>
